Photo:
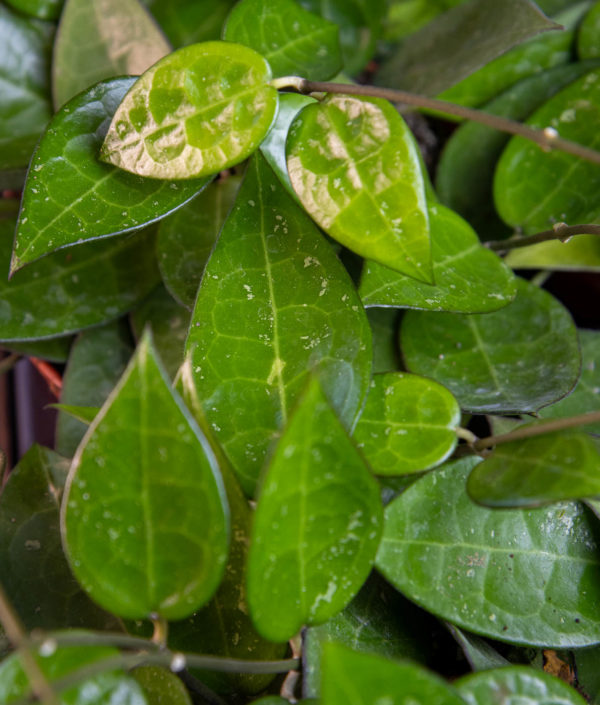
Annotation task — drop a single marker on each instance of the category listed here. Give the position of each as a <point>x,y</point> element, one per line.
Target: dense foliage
<point>316,438</point>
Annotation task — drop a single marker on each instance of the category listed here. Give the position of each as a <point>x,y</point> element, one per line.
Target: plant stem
<point>161,629</point>
<point>537,430</point>
<point>548,138</point>
<point>7,363</point>
<point>40,687</point>
<point>560,231</point>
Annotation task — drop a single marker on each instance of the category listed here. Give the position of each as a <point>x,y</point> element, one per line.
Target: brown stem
<point>561,231</point>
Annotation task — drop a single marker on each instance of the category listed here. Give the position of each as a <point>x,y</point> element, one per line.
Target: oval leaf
<point>518,359</point>
<point>274,302</point>
<point>294,42</point>
<point>70,196</point>
<point>408,424</point>
<point>526,577</point>
<point>356,170</point>
<point>538,470</point>
<point>468,278</point>
<point>198,111</point>
<point>161,687</point>
<point>306,562</point>
<point>534,189</point>
<point>131,526</point>
<point>101,40</point>
<point>514,685</point>
<point>369,679</point>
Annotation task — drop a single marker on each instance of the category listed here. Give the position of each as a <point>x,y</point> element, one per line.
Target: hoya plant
<point>323,431</point>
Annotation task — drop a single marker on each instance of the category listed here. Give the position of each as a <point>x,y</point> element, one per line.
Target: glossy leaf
<point>131,527</point>
<point>534,56</point>
<point>357,172</point>
<point>42,9</point>
<point>25,47</point>
<point>196,112</point>
<point>72,290</point>
<point>516,684</point>
<point>364,679</point>
<point>306,562</point>
<point>478,652</point>
<point>458,42</point>
<point>581,254</point>
<point>522,576</point>
<point>274,302</point>
<point>85,414</point>
<point>169,323</point>
<point>384,327</point>
<point>585,397</point>
<point>515,360</point>
<point>112,687</point>
<point>465,172</point>
<point>96,41</point>
<point>588,45</point>
<point>33,569</point>
<point>190,21</point>
<point>186,238</point>
<point>97,360</point>
<point>53,349</point>
<point>534,189</point>
<point>70,196</point>
<point>408,424</point>
<point>294,42</point>
<point>468,278</point>
<point>538,470</point>
<point>378,620</point>
<point>161,687</point>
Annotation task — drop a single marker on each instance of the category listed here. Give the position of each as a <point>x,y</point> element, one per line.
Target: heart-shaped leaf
<point>131,527</point>
<point>306,562</point>
<point>70,196</point>
<point>99,41</point>
<point>538,470</point>
<point>408,424</point>
<point>74,289</point>
<point>522,576</point>
<point>517,359</point>
<point>516,684</point>
<point>293,41</point>
<point>196,112</point>
<point>468,278</point>
<point>273,303</point>
<point>356,170</point>
<point>364,679</point>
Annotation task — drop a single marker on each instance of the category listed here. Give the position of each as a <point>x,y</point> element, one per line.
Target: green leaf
<point>161,687</point>
<point>190,21</point>
<point>364,679</point>
<point>514,685</point>
<point>33,569</point>
<point>378,620</point>
<point>71,290</point>
<point>293,41</point>
<point>588,46</point>
<point>581,254</point>
<point>274,303</point>
<point>97,360</point>
<point>588,673</point>
<point>538,470</point>
<point>356,171</point>
<point>534,189</point>
<point>408,424</point>
<point>42,9</point>
<point>85,414</point>
<point>384,328</point>
<point>465,172</point>
<point>536,55</point>
<point>196,112</point>
<point>107,688</point>
<point>99,41</point>
<point>407,16</point>
<point>306,562</point>
<point>515,360</point>
<point>169,323</point>
<point>468,278</point>
<point>460,41</point>
<point>131,527</point>
<point>585,395</point>
<point>25,47</point>
<point>186,238</point>
<point>54,349</point>
<point>480,655</point>
<point>70,196</point>
<point>522,576</point>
